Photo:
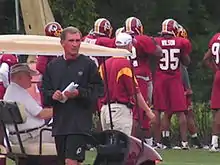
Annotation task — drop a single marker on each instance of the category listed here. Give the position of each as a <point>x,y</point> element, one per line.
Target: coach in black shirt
<point>74,115</point>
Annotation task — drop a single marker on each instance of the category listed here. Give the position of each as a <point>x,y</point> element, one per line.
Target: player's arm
<point>149,45</point>
<point>158,50</point>
<point>209,61</point>
<point>185,60</point>
<point>187,48</point>
<point>143,105</point>
<point>132,88</point>
<point>107,42</point>
<point>185,77</point>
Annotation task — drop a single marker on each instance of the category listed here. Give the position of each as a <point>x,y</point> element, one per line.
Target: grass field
<point>181,157</point>
<point>191,157</point>
<point>175,157</point>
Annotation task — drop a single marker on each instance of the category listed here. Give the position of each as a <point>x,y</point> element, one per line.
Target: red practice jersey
<point>214,46</point>
<point>173,49</point>
<point>102,41</point>
<point>168,91</point>
<point>42,62</point>
<point>144,46</point>
<point>120,82</point>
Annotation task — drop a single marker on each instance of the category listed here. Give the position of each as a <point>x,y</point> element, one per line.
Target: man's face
<point>71,44</point>
<point>25,79</point>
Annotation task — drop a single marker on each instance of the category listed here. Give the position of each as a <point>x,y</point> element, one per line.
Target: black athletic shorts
<point>70,147</point>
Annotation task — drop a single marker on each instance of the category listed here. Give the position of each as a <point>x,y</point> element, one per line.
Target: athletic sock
<point>214,141</point>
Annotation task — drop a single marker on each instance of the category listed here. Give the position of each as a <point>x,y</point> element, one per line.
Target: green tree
<point>7,17</point>
<point>79,13</point>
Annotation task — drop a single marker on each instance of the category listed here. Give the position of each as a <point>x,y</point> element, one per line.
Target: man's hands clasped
<point>58,96</point>
<point>71,95</point>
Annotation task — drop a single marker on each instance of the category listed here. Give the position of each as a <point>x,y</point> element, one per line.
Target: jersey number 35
<point>169,61</point>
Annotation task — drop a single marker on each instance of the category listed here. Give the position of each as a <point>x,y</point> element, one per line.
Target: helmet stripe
<point>166,25</point>
<point>97,24</point>
<point>128,24</point>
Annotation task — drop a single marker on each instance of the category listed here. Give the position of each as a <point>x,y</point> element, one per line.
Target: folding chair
<point>24,154</point>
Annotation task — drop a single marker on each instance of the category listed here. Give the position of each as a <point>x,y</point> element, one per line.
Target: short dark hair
<point>71,30</point>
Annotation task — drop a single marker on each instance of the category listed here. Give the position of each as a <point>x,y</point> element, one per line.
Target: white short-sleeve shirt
<point>14,92</point>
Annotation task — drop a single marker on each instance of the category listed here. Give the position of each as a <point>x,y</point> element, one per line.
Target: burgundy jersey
<point>42,62</point>
<point>144,46</point>
<point>102,41</point>
<point>173,49</point>
<point>214,46</point>
<point>120,81</point>
<point>9,59</point>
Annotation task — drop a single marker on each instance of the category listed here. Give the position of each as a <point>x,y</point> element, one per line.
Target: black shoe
<point>166,142</point>
<point>196,142</point>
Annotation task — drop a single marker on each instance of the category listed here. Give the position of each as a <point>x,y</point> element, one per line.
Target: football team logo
<point>80,73</point>
<point>79,150</point>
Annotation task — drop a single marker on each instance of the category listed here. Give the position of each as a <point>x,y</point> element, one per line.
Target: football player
<point>168,86</point>
<point>191,124</point>
<point>52,29</point>
<point>145,47</point>
<point>100,35</point>
<point>212,60</point>
<point>192,128</point>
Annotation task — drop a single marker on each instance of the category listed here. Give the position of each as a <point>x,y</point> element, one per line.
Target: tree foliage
<point>79,13</point>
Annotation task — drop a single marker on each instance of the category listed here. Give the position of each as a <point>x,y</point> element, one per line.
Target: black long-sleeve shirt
<point>75,115</point>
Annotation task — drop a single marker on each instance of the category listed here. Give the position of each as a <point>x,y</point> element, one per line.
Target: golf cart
<point>112,147</point>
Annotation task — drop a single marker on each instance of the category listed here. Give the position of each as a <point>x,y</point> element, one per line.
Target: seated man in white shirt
<point>21,76</point>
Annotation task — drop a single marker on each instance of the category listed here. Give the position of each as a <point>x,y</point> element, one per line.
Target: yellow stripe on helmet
<point>128,24</point>
<point>97,24</point>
